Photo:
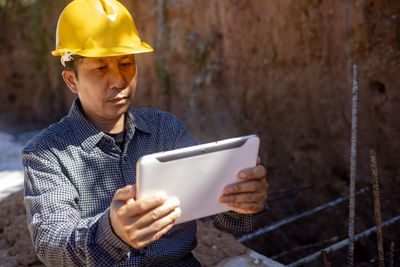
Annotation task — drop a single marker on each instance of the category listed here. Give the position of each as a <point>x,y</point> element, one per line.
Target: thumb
<point>126,193</point>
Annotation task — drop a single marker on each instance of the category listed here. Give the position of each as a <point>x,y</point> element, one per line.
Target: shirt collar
<point>89,136</point>
<point>135,118</point>
<point>85,132</point>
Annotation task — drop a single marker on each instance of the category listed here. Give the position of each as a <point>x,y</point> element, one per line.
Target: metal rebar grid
<point>342,243</point>
<point>283,222</point>
<point>308,246</point>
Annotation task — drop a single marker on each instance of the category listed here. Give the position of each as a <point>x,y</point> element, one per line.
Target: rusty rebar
<point>353,156</point>
<point>325,257</point>
<point>377,208</point>
<point>391,259</point>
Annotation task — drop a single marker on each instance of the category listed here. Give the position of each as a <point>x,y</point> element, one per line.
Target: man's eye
<point>126,64</point>
<point>100,68</point>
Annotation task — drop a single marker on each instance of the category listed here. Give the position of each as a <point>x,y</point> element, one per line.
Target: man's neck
<point>106,125</point>
<point>111,127</point>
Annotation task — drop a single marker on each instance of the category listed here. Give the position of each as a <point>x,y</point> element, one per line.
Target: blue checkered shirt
<point>72,171</point>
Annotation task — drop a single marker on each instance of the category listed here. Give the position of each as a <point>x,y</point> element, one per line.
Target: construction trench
<point>280,69</point>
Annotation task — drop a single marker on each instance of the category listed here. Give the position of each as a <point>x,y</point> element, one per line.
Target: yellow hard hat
<point>97,28</point>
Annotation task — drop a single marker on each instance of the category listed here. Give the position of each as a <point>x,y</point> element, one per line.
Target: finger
<point>145,205</point>
<point>159,213</point>
<point>131,200</point>
<point>246,186</point>
<point>258,160</point>
<point>257,172</point>
<point>247,208</point>
<point>153,237</point>
<point>244,198</point>
<point>157,229</point>
<point>125,193</point>
<point>160,224</point>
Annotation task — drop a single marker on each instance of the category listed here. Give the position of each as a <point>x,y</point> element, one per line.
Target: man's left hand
<point>248,197</point>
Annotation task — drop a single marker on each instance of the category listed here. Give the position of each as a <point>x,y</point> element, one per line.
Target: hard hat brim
<point>107,52</point>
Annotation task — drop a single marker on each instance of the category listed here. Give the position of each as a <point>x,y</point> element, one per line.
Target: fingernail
<point>225,199</point>
<point>242,174</point>
<point>175,202</point>
<point>163,196</point>
<point>229,189</point>
<point>178,210</point>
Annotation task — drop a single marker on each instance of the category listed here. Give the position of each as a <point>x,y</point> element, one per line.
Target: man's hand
<point>248,196</point>
<point>141,222</point>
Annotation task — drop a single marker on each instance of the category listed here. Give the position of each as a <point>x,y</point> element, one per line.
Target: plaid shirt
<point>72,171</point>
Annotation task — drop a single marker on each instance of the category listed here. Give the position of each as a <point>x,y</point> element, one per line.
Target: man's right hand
<point>141,222</point>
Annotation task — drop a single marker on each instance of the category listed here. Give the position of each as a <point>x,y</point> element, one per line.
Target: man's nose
<point>117,79</point>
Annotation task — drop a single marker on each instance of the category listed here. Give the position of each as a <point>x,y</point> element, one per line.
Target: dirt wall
<point>280,69</point>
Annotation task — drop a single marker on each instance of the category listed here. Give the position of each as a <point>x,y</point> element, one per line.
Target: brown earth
<point>16,247</point>
<point>280,69</point>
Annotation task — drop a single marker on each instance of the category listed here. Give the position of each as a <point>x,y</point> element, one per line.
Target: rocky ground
<point>15,246</point>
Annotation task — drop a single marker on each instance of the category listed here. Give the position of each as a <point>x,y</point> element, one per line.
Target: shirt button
<point>127,256</point>
<point>125,158</point>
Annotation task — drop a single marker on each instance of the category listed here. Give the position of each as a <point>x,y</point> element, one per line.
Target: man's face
<point>105,86</point>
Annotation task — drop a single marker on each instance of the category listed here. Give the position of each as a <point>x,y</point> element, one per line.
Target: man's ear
<point>70,79</point>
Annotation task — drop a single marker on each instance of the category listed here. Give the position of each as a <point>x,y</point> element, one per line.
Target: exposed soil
<point>16,247</point>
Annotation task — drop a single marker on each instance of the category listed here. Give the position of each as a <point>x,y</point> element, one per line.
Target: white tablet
<point>196,175</point>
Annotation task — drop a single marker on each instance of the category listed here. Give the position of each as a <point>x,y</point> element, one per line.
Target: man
<point>80,172</point>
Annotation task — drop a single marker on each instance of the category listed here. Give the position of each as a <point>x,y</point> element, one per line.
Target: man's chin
<point>120,109</point>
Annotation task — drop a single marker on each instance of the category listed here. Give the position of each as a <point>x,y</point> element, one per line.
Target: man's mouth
<point>120,99</point>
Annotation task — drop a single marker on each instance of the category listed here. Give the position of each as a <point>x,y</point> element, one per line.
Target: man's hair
<point>73,64</point>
